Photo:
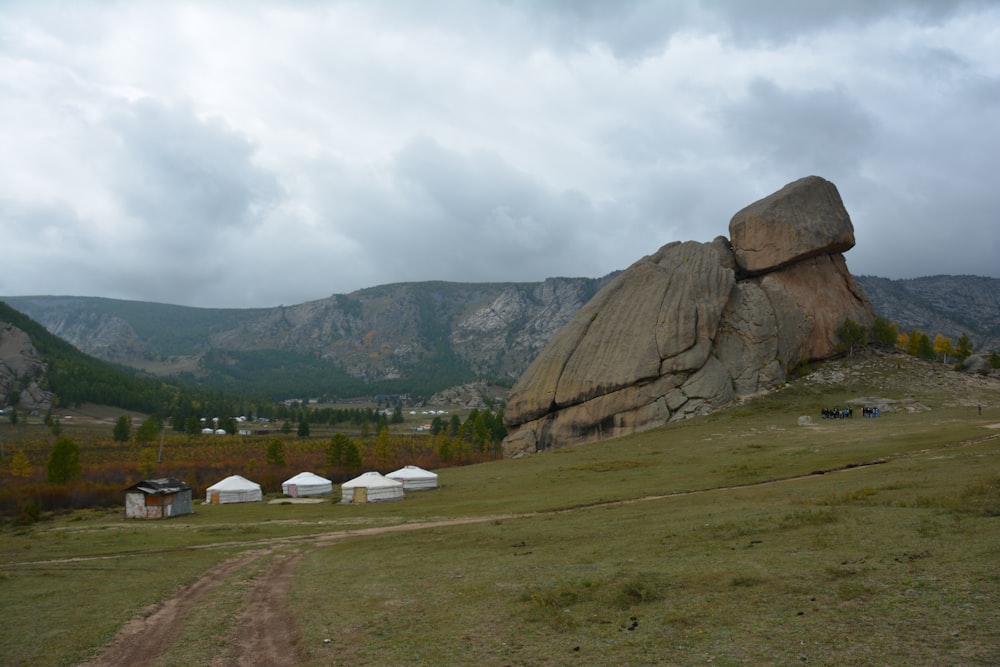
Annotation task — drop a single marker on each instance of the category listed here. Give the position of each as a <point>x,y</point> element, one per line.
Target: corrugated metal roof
<point>161,486</point>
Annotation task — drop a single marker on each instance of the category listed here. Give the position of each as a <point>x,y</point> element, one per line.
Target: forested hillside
<point>74,377</point>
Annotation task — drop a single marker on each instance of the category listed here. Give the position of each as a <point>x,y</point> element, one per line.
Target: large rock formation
<point>687,329</point>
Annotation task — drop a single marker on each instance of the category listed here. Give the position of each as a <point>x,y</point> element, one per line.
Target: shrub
<point>639,589</point>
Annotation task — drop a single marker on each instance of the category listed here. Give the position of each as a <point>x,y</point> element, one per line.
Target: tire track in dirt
<point>145,638</point>
<point>267,635</point>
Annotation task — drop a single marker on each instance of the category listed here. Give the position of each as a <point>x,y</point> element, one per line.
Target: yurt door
<point>293,490</point>
<point>360,494</point>
<point>215,497</point>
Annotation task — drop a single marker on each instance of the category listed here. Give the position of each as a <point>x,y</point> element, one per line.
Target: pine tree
<point>148,430</point>
<point>964,348</point>
<point>851,334</point>
<point>123,429</point>
<point>352,455</point>
<point>64,462</point>
<point>276,452</point>
<point>925,348</point>
<point>884,333</point>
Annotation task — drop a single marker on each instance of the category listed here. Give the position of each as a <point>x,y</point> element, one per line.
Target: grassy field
<point>740,538</point>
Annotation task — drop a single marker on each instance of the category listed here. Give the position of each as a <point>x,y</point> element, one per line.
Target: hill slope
<point>415,337</point>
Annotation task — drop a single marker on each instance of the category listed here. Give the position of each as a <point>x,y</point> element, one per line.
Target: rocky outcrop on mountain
<point>21,368</point>
<point>480,395</point>
<point>501,337</point>
<point>108,336</point>
<point>685,330</point>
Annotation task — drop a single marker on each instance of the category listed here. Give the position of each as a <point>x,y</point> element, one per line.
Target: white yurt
<point>415,478</point>
<point>371,487</point>
<point>233,489</point>
<point>306,484</point>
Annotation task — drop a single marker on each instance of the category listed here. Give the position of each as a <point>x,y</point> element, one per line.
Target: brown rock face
<point>677,335</point>
<point>804,219</point>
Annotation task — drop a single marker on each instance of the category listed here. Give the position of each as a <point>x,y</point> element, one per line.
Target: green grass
<point>711,540</point>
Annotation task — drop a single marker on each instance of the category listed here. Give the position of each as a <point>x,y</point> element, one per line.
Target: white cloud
<point>238,154</point>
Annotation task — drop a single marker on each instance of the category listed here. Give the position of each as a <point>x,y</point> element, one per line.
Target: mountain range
<point>414,338</point>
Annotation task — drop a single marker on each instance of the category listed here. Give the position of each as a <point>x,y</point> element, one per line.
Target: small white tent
<point>415,478</point>
<point>306,484</point>
<point>233,489</point>
<point>370,487</point>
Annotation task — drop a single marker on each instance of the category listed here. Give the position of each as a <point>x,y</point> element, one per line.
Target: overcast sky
<point>235,154</point>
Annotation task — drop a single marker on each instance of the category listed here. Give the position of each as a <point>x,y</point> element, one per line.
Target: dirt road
<point>266,634</point>
<point>143,639</point>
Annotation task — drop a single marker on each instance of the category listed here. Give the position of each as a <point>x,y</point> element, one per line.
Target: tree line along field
<point>36,477</point>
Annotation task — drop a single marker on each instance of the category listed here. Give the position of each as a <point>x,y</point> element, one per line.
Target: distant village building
<point>158,499</point>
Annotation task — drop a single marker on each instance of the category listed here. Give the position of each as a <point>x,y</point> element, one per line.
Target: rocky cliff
<point>686,329</point>
<point>21,370</point>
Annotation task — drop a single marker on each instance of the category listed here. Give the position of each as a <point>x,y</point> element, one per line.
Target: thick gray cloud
<point>250,154</point>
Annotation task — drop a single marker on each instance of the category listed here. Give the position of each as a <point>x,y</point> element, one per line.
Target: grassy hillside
<point>740,538</point>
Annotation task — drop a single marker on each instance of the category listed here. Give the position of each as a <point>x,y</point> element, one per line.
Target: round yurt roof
<point>307,478</point>
<point>412,472</point>
<point>371,480</point>
<point>234,483</point>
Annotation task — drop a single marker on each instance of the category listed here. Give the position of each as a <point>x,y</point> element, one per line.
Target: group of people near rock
<point>847,413</point>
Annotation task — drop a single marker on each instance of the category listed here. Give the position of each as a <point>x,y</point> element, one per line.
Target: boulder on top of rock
<point>804,219</point>
<point>677,334</point>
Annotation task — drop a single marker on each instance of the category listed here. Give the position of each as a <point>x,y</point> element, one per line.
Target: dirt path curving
<point>143,639</point>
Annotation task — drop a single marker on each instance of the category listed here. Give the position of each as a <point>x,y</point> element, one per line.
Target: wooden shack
<point>158,499</point>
